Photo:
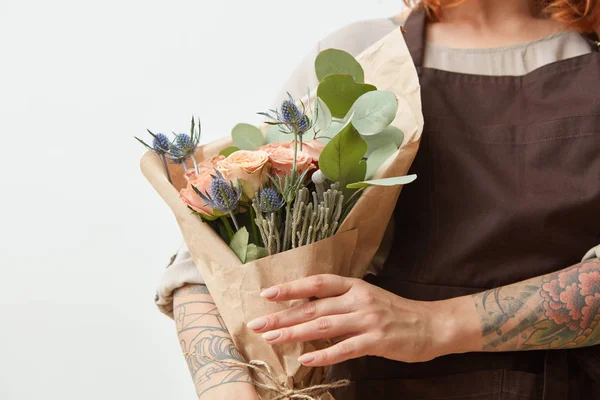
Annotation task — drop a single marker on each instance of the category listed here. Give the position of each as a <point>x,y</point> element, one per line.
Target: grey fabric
<point>356,37</point>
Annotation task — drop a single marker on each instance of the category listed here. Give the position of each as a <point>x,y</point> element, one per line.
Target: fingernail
<point>257,323</point>
<point>270,292</point>
<point>306,358</point>
<point>271,335</point>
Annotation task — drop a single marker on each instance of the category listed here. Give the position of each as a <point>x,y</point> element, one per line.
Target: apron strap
<point>414,35</point>
<point>556,375</point>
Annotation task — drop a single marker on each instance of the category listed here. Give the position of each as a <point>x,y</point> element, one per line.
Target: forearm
<point>558,310</point>
<point>202,333</point>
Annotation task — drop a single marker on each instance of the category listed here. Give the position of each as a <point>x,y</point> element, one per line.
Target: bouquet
<point>309,192</point>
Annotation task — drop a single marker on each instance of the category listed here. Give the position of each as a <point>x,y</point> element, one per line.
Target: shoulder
<point>357,36</point>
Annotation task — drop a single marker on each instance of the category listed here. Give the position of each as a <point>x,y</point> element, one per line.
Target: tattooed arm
<point>554,311</point>
<point>201,332</point>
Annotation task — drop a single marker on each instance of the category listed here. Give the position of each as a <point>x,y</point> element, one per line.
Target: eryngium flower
<point>290,112</point>
<point>269,200</point>
<point>181,148</point>
<point>222,195</point>
<point>291,119</point>
<point>160,144</point>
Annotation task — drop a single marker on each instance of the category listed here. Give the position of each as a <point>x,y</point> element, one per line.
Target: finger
<point>324,285</point>
<point>320,328</point>
<point>301,313</point>
<point>353,347</point>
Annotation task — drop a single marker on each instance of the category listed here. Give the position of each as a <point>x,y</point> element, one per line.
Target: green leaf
<point>255,252</point>
<point>374,111</point>
<point>396,180</point>
<point>341,159</point>
<point>239,243</point>
<point>247,137</point>
<point>323,121</point>
<point>272,134</point>
<point>548,332</point>
<point>340,91</point>
<point>356,174</point>
<point>335,61</point>
<point>391,134</point>
<point>228,150</point>
<point>378,157</point>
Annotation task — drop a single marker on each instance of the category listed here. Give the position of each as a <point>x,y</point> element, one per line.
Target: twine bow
<point>270,382</point>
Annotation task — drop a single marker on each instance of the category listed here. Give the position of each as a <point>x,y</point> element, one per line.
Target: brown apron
<point>508,188</point>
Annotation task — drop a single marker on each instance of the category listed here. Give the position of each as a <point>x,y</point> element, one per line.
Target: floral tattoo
<point>559,310</point>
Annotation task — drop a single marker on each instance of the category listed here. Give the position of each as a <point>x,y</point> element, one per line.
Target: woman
<point>485,261</point>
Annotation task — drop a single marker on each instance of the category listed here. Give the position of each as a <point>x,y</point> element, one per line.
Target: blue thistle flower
<point>183,141</point>
<point>269,200</point>
<point>290,113</point>
<point>290,117</point>
<point>160,144</point>
<point>182,148</point>
<point>303,125</point>
<point>224,197</point>
<point>221,195</point>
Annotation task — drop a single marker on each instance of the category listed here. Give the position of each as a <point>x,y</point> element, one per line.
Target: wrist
<point>456,326</point>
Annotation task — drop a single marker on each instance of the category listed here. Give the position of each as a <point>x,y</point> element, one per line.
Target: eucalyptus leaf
<point>340,91</point>
<point>391,134</point>
<point>228,150</point>
<point>356,173</point>
<point>397,180</point>
<point>255,252</point>
<point>323,121</point>
<point>239,243</point>
<point>247,137</point>
<point>335,61</point>
<point>378,157</point>
<point>341,159</point>
<point>272,134</point>
<point>374,111</point>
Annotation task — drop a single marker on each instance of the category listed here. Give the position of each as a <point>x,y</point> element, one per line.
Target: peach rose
<point>313,148</point>
<point>249,167</point>
<point>282,159</point>
<point>210,164</point>
<point>202,182</point>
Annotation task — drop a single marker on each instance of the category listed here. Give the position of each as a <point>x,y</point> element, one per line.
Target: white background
<point>84,238</point>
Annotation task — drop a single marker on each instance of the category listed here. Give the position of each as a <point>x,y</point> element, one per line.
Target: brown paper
<point>236,287</point>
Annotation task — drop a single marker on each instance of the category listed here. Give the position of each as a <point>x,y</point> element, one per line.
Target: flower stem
<point>295,156</point>
<point>164,160</point>
<point>287,226</point>
<point>254,227</point>
<point>237,227</point>
<point>184,166</point>
<point>227,226</point>
<point>195,164</point>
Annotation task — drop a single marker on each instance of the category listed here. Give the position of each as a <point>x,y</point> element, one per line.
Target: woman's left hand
<point>366,319</point>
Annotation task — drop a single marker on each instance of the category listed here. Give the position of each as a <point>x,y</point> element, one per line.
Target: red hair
<point>581,15</point>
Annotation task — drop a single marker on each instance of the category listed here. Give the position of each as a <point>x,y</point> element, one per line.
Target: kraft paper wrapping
<point>236,287</point>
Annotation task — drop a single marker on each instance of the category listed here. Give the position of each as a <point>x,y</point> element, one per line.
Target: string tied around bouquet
<point>270,383</point>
